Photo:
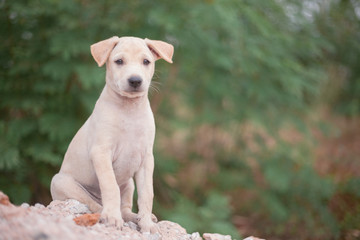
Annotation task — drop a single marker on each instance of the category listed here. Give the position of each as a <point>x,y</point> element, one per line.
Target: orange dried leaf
<point>87,219</point>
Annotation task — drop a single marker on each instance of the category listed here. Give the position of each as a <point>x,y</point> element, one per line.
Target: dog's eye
<point>119,62</point>
<point>146,62</point>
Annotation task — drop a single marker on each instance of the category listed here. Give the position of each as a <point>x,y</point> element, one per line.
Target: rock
<point>75,207</point>
<point>170,230</point>
<point>38,205</point>
<point>25,205</point>
<point>131,225</point>
<point>4,199</point>
<point>195,236</point>
<point>216,236</point>
<point>149,236</point>
<point>73,220</point>
<point>253,238</point>
<point>69,208</point>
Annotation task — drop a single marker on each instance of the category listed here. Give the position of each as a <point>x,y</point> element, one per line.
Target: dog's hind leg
<point>64,187</point>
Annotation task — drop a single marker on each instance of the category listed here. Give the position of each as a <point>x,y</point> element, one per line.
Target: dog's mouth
<point>133,93</point>
<point>130,90</point>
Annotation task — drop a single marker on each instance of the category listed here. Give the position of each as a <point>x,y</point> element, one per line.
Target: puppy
<point>115,144</point>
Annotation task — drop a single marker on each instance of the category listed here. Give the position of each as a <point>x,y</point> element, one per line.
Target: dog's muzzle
<point>135,82</point>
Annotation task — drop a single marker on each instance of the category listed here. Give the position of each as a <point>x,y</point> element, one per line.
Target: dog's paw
<point>129,216</point>
<point>153,218</point>
<point>147,225</point>
<point>112,218</point>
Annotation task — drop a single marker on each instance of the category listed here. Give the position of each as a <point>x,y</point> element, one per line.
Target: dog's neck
<point>109,95</point>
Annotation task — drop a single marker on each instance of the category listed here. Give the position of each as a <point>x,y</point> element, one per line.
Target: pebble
<point>131,225</point>
<point>253,238</point>
<point>75,207</point>
<point>39,205</point>
<point>216,236</point>
<point>155,236</point>
<point>25,205</point>
<point>195,236</point>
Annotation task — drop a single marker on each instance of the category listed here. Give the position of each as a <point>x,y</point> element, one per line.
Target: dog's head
<point>130,62</point>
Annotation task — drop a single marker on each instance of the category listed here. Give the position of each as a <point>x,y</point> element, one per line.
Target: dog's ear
<point>101,50</point>
<point>160,49</point>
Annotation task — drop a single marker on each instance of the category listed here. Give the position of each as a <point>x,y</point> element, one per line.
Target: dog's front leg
<point>144,183</point>
<point>110,193</point>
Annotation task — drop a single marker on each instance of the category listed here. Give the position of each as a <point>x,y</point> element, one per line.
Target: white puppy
<point>116,143</point>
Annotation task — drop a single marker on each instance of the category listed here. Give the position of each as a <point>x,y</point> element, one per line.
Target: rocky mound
<point>72,220</point>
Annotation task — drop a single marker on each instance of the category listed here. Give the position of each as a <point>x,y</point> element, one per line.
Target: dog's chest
<point>133,143</point>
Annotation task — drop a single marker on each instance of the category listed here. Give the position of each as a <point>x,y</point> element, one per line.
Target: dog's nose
<point>135,81</point>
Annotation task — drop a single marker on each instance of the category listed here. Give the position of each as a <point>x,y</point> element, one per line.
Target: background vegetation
<point>258,128</point>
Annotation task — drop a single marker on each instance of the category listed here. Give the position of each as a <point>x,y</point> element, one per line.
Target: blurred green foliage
<point>214,214</point>
<point>243,71</point>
